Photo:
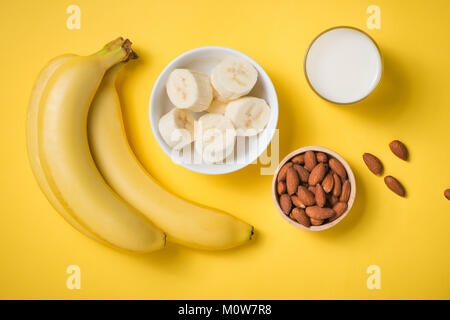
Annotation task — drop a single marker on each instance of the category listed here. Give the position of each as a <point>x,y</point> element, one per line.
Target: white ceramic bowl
<point>204,59</point>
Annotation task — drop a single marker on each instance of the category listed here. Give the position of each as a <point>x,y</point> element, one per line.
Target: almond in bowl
<point>313,188</point>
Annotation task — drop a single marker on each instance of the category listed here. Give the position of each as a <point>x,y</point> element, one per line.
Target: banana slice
<point>232,78</point>
<point>177,128</point>
<point>249,115</point>
<point>215,137</point>
<point>189,90</point>
<point>217,107</point>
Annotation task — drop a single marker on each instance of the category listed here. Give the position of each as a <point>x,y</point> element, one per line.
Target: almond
<point>300,159</point>
<point>447,194</point>
<point>337,167</point>
<point>373,163</point>
<point>321,157</point>
<point>281,187</point>
<point>337,185</point>
<point>285,203</point>
<point>339,208</point>
<point>399,149</point>
<point>334,200</point>
<point>316,222</point>
<point>292,180</point>
<point>300,216</point>
<point>346,188</point>
<point>296,202</point>
<point>302,172</point>
<point>394,185</point>
<point>306,196</point>
<point>333,218</point>
<point>317,212</point>
<point>312,189</point>
<point>328,182</point>
<point>283,171</point>
<point>317,174</point>
<point>321,197</point>
<point>310,160</point>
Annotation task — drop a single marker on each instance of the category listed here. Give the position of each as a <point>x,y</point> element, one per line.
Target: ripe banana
<point>32,140</point>
<point>184,222</point>
<point>217,107</point>
<point>249,115</point>
<point>232,78</point>
<point>189,90</point>
<point>177,128</point>
<point>61,158</point>
<point>215,137</point>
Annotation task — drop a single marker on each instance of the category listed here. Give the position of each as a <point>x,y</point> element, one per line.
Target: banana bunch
<point>83,163</point>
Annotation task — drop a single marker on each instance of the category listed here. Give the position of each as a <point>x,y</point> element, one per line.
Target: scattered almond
<point>447,194</point>
<point>285,203</point>
<point>394,185</point>
<point>345,194</point>
<point>292,180</point>
<point>317,212</point>
<point>283,171</point>
<point>306,196</point>
<point>328,182</point>
<point>373,163</point>
<point>317,174</point>
<point>281,187</point>
<point>321,197</point>
<point>399,149</point>
<point>337,167</point>
<point>300,216</point>
<point>310,160</point>
<point>312,189</point>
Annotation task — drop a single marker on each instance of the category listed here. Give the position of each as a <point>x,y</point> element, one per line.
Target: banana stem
<point>107,47</point>
<point>117,52</point>
<point>118,45</point>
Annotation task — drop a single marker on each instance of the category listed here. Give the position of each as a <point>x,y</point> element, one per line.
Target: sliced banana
<point>249,115</point>
<point>217,107</point>
<point>215,137</point>
<point>189,90</point>
<point>177,128</point>
<point>232,78</point>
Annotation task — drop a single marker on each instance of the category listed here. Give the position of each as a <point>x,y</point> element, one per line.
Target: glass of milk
<point>343,65</point>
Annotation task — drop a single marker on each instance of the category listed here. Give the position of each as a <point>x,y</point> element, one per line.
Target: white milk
<point>343,65</point>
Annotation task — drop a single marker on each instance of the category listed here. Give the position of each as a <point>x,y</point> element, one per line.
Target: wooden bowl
<point>350,175</point>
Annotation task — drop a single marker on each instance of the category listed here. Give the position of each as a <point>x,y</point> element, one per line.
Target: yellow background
<point>407,238</point>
